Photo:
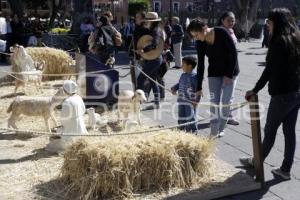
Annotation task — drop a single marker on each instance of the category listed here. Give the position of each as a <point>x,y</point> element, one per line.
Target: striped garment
<point>187,88</point>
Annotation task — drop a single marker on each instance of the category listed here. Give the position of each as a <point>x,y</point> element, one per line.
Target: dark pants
<point>283,109</point>
<point>160,79</point>
<point>151,68</point>
<point>186,113</point>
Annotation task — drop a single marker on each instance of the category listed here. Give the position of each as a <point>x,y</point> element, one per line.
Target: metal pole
<point>256,140</point>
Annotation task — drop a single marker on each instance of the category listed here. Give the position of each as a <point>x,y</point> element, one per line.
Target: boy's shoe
<point>282,174</point>
<point>247,162</point>
<point>221,134</point>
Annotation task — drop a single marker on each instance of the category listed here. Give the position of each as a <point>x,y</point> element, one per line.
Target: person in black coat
<point>17,28</point>
<point>217,44</point>
<point>177,36</point>
<point>282,73</point>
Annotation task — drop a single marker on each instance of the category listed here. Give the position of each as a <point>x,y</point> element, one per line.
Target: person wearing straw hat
<point>151,66</point>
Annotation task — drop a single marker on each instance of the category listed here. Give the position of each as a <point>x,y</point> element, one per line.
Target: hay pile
<point>57,61</point>
<point>122,166</point>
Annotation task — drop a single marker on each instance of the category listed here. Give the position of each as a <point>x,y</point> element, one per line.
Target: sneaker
<point>282,174</point>
<point>221,134</point>
<point>247,162</point>
<point>176,67</point>
<point>233,122</point>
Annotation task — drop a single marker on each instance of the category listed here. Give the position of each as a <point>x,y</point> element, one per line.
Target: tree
<point>54,7</point>
<point>17,7</point>
<point>246,13</point>
<point>135,6</point>
<point>34,5</point>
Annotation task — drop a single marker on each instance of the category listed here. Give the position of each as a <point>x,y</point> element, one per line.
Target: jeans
<point>187,113</point>
<point>283,109</point>
<point>151,68</point>
<point>220,93</point>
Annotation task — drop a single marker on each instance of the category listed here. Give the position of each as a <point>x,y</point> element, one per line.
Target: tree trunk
<point>82,8</point>
<point>55,8</point>
<point>246,14</point>
<point>17,7</point>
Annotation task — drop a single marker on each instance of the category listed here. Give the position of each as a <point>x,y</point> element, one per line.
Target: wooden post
<point>256,139</point>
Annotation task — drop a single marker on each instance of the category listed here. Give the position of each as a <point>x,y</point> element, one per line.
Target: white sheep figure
<point>34,106</point>
<point>130,102</point>
<point>22,59</point>
<point>34,76</point>
<point>95,119</point>
<point>29,71</point>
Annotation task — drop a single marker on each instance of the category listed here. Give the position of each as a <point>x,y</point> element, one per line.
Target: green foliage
<point>60,30</point>
<point>135,6</point>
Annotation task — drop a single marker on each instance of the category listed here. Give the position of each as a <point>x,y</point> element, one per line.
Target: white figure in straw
<point>72,121</point>
<point>73,110</point>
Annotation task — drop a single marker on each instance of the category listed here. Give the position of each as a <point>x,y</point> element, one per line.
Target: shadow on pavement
<point>38,154</point>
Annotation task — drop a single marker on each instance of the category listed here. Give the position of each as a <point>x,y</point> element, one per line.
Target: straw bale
<point>56,61</point>
<point>119,167</point>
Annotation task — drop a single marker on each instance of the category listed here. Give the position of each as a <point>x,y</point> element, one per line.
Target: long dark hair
<point>154,26</point>
<point>285,28</point>
<point>196,25</point>
<point>224,16</point>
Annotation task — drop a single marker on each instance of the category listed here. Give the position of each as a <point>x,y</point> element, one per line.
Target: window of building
<point>4,4</point>
<point>176,6</point>
<point>157,6</point>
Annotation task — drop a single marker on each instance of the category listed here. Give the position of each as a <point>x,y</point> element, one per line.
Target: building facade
<point>212,8</point>
<point>119,9</point>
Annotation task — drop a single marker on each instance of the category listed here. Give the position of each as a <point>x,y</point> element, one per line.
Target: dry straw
<point>56,61</point>
<point>119,167</point>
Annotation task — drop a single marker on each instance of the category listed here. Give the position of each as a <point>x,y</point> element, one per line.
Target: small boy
<point>187,98</point>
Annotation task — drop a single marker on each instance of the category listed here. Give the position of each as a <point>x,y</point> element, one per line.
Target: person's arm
<point>175,87</point>
<point>273,60</point>
<point>201,51</point>
<point>65,114</point>
<point>196,98</point>
<point>232,53</point>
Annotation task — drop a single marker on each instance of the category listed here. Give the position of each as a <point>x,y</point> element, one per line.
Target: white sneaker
<point>221,134</point>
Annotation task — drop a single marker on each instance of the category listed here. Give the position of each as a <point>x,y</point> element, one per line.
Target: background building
<point>119,8</point>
